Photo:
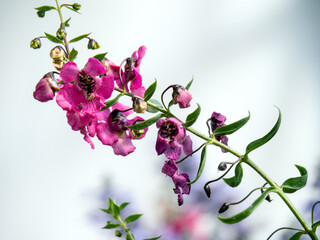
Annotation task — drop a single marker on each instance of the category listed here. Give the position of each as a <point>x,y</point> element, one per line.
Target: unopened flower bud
<point>58,64</point>
<point>207,190</point>
<point>61,33</point>
<point>93,44</point>
<point>46,88</point>
<point>41,13</point>
<point>139,106</point>
<point>182,96</point>
<point>268,198</point>
<point>118,233</point>
<point>136,134</point>
<point>117,122</point>
<point>76,6</point>
<point>223,208</point>
<point>35,43</point>
<point>222,166</point>
<point>57,53</point>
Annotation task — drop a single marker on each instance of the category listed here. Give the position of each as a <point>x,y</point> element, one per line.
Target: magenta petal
<point>74,120</point>
<point>123,146</point>
<point>139,92</point>
<point>131,121</point>
<point>187,145</point>
<point>43,91</point>
<point>69,72</point>
<point>88,140</point>
<point>121,107</point>
<point>91,106</point>
<point>94,67</point>
<point>161,145</point>
<point>105,135</point>
<point>169,168</point>
<point>103,115</point>
<point>104,86</point>
<point>136,82</point>
<point>173,151</point>
<point>69,96</point>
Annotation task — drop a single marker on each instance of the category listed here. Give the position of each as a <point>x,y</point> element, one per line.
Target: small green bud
<point>139,106</point>
<point>35,43</point>
<point>118,233</point>
<point>76,6</point>
<point>41,13</point>
<point>61,33</point>
<point>57,53</point>
<point>136,134</point>
<point>92,44</point>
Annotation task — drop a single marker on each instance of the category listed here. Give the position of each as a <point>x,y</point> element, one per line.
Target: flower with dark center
<point>172,139</point>
<point>112,129</point>
<point>83,90</point>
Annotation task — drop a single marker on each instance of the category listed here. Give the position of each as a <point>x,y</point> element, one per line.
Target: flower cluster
<point>83,93</point>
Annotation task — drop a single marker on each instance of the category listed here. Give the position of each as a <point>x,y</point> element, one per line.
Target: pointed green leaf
<point>73,54</point>
<point>202,163</point>
<point>100,56</point>
<point>151,109</point>
<point>111,102</point>
<point>53,38</point>
<point>155,238</point>
<point>132,218</point>
<point>296,236</point>
<point>146,123</point>
<point>106,210</point>
<point>247,212</point>
<point>293,184</point>
<point>76,39</point>
<point>170,104</point>
<point>70,8</point>
<point>237,178</point>
<point>192,117</point>
<point>261,141</point>
<point>150,91</point>
<point>114,208</point>
<point>66,23</point>
<point>111,225</point>
<point>123,205</point>
<point>231,128</point>
<point>189,84</point>
<point>45,8</point>
<point>315,225</point>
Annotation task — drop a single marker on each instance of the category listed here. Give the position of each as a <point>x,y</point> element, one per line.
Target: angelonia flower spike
<point>92,98</point>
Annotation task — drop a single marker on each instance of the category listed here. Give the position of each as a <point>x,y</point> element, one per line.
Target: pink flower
<point>130,79</point>
<point>172,139</point>
<point>46,88</point>
<point>182,96</point>
<point>85,123</point>
<point>113,129</point>
<point>179,179</point>
<point>83,90</point>
<point>217,120</point>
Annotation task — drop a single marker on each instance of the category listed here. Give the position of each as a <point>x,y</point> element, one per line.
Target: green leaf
<point>296,236</point>
<point>151,109</point>
<point>66,23</point>
<point>231,128</point>
<point>53,38</point>
<point>237,178</point>
<point>150,91</point>
<point>106,210</point>
<point>155,238</point>
<point>76,39</point>
<point>114,208</point>
<point>202,163</point>
<point>111,225</point>
<point>192,117</point>
<point>189,84</point>
<point>293,184</point>
<point>70,8</point>
<point>315,225</point>
<point>247,212</point>
<point>45,8</point>
<point>100,56</point>
<point>73,54</point>
<point>261,141</point>
<point>170,104</point>
<point>132,218</point>
<point>111,102</point>
<point>123,205</point>
<point>146,123</point>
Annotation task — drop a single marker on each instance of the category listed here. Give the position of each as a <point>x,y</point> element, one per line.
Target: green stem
<point>61,21</point>
<point>245,159</point>
<point>126,229</point>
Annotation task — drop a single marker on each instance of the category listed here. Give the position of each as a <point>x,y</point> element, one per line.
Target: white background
<point>244,55</point>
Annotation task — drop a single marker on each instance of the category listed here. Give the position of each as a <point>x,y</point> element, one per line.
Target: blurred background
<point>244,55</point>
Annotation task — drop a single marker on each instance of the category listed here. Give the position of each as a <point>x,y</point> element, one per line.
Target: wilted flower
<point>113,129</point>
<point>83,91</point>
<point>181,96</point>
<point>179,179</point>
<point>46,88</point>
<point>172,139</point>
<point>217,120</point>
